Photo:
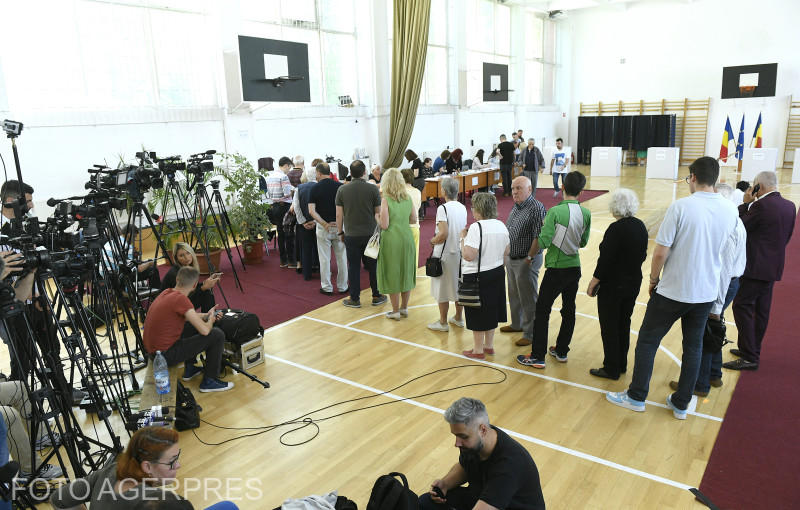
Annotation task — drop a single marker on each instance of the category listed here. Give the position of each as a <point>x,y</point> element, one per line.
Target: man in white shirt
<point>560,164</point>
<point>688,247</point>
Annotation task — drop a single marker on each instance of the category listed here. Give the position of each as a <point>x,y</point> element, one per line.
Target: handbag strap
<point>433,247</point>
<point>477,274</point>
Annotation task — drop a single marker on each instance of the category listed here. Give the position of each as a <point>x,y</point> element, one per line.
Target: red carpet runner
<point>278,294</point>
<point>756,459</point>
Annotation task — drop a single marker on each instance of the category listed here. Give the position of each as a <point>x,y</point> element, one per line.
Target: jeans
<point>711,364</point>
<point>505,170</point>
<point>556,281</point>
<point>307,240</point>
<point>523,292</point>
<point>355,246</point>
<point>324,246</point>
<point>187,347</point>
<point>555,180</point>
<point>661,314</point>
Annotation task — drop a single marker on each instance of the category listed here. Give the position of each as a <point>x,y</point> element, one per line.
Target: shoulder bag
<point>374,244</point>
<point>433,266</point>
<point>469,291</point>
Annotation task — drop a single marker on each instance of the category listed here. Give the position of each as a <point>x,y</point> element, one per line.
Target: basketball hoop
<point>747,91</point>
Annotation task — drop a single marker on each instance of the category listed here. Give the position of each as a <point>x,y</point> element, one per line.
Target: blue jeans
<point>223,505</point>
<point>711,364</point>
<point>661,314</point>
<point>555,180</point>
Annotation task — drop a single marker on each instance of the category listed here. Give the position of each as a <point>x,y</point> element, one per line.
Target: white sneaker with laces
<point>48,472</point>
<point>438,326</point>
<point>460,324</point>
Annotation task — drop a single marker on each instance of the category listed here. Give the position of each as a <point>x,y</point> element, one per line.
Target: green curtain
<point>409,50</point>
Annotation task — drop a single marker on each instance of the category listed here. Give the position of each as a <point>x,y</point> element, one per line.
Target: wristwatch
<point>530,259</point>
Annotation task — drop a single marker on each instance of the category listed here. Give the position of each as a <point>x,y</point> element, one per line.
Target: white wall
<point>676,50</point>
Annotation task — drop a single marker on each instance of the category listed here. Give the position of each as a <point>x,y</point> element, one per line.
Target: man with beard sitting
<point>500,471</point>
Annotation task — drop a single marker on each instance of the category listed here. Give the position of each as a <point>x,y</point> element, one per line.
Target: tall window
<point>92,55</point>
<point>534,57</point>
<point>488,40</point>
<point>327,27</point>
<point>434,81</point>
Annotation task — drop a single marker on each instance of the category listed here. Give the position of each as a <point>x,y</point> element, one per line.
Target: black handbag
<point>714,335</point>
<point>433,266</point>
<point>469,290</point>
<point>187,412</point>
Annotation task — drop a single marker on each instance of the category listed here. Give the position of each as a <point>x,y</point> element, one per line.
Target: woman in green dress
<point>397,268</point>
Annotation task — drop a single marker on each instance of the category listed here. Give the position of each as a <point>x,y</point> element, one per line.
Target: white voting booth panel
<point>662,162</point>
<point>606,161</point>
<point>796,168</point>
<point>758,160</point>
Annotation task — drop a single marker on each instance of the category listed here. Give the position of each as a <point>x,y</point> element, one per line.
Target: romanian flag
<point>727,136</point>
<point>757,133</point>
<point>740,142</point>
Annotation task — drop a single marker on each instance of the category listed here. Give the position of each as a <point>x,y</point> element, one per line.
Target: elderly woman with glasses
<point>617,280</point>
<point>142,472</point>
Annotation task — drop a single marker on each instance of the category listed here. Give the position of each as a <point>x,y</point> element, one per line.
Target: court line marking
<point>660,347</point>
<point>524,437</point>
<point>496,365</point>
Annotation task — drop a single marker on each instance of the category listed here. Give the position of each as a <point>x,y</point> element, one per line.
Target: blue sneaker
<point>528,361</point>
<point>212,384</point>
<point>622,399</point>
<point>677,413</point>
<point>553,353</point>
<point>191,371</point>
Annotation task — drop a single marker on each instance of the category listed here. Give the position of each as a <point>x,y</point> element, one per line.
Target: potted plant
<point>244,202</point>
<point>211,236</point>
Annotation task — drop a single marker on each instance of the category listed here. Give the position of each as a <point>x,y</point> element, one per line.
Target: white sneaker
<point>404,313</point>
<point>394,316</point>
<point>438,326</point>
<point>555,195</point>
<point>48,472</point>
<point>460,324</point>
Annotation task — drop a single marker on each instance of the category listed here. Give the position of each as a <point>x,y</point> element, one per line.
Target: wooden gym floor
<point>590,454</point>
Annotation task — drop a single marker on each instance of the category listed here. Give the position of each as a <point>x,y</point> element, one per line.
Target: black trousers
<point>285,236</point>
<point>751,312</point>
<point>307,240</point>
<point>556,281</point>
<point>505,170</point>
<point>187,347</point>
<point>459,498</point>
<point>614,308</point>
<point>355,246</point>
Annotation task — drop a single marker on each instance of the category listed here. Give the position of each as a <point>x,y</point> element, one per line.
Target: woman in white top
<point>416,199</point>
<point>487,237</point>
<point>451,218</point>
<point>477,161</point>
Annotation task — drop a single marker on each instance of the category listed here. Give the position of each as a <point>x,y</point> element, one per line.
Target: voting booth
<point>606,161</point>
<point>758,160</point>
<point>662,163</point>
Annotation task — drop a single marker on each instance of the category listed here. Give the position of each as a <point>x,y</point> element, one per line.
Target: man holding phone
<point>164,331</point>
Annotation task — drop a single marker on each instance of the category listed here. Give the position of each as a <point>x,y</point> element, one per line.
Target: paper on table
<point>494,82</point>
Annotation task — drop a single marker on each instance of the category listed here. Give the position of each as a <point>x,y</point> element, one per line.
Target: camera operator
<point>164,327</point>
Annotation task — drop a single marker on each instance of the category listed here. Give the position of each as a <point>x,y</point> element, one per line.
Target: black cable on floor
<point>304,420</point>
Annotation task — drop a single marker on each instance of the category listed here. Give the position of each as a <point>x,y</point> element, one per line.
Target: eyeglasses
<point>688,177</point>
<point>170,464</point>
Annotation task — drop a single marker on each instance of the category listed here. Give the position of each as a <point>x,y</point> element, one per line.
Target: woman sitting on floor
<point>203,296</point>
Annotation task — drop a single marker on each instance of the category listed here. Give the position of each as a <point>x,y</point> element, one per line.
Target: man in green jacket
<point>565,230</point>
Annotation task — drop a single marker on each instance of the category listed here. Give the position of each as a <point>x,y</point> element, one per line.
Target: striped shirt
<point>279,189</point>
<point>524,225</point>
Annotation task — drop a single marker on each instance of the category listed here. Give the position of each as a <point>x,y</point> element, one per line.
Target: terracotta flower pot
<point>253,251</point>
<point>215,254</point>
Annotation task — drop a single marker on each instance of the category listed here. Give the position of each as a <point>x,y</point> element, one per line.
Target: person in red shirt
<point>164,326</point>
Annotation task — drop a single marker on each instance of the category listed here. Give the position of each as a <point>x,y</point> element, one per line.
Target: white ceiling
<point>567,5</point>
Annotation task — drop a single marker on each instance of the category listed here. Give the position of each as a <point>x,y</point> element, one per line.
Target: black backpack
<point>187,412</point>
<point>240,327</point>
<point>389,494</point>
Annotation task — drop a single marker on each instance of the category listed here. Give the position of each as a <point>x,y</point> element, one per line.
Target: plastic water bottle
<point>161,374</point>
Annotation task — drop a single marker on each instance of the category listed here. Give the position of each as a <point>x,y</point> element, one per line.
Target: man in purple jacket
<point>769,221</point>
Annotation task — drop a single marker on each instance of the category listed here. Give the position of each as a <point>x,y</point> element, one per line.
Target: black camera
<point>169,165</point>
<point>12,128</point>
<point>201,163</point>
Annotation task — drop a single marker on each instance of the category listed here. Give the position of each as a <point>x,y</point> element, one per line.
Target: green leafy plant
<point>243,200</point>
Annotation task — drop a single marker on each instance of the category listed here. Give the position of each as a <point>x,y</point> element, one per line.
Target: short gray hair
<point>298,161</point>
<point>531,140</point>
<point>624,203</point>
<point>467,411</point>
<point>450,188</point>
<point>485,204</point>
<point>767,179</point>
<point>725,190</point>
